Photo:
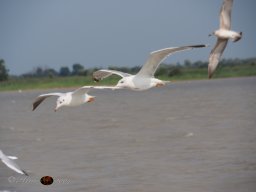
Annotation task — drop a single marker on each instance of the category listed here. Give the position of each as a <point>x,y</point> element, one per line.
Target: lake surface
<point>188,136</point>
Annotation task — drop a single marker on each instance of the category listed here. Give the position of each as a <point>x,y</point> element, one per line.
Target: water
<point>189,136</point>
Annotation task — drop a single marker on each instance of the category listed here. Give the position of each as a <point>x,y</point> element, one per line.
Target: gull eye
<point>121,81</point>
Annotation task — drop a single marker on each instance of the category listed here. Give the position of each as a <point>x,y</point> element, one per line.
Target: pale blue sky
<point>100,33</point>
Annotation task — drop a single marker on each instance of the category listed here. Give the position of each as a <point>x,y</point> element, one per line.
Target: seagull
<point>75,98</point>
<point>8,161</point>
<point>144,79</point>
<point>223,34</point>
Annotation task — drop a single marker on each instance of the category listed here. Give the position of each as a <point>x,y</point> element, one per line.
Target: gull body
<point>144,79</point>
<point>223,34</point>
<point>75,98</point>
<point>140,83</point>
<point>8,161</point>
<point>228,34</point>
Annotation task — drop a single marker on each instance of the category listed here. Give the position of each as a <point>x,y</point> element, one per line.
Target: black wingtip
<point>25,173</point>
<point>198,46</point>
<point>35,105</point>
<point>210,74</point>
<point>95,79</point>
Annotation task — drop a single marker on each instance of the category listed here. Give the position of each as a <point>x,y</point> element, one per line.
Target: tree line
<point>77,69</point>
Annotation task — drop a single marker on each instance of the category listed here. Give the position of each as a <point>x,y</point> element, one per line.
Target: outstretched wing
<point>11,164</point>
<point>102,87</point>
<point>225,14</point>
<point>156,57</point>
<point>215,55</point>
<point>85,89</point>
<point>104,73</point>
<point>42,97</point>
<point>14,167</point>
<point>12,157</point>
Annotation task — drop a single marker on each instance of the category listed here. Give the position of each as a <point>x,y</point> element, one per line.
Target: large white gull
<point>74,98</point>
<point>223,34</point>
<point>144,79</point>
<point>8,161</point>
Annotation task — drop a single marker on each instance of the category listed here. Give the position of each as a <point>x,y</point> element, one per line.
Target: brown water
<point>189,136</point>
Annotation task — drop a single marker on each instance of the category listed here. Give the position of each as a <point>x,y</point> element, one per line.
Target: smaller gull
<point>144,79</point>
<point>75,98</point>
<point>223,34</point>
<point>8,161</point>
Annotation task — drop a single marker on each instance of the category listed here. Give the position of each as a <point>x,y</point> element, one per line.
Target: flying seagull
<point>144,79</point>
<point>223,34</point>
<point>75,98</point>
<point>8,161</point>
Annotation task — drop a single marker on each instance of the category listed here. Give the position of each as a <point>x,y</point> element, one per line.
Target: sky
<point>102,33</point>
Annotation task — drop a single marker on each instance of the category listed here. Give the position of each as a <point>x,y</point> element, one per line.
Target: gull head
<point>236,36</point>
<point>61,101</point>
<point>89,98</point>
<point>211,34</point>
<point>123,83</point>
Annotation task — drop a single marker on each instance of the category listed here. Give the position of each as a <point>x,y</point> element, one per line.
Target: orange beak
<point>91,99</point>
<point>159,84</point>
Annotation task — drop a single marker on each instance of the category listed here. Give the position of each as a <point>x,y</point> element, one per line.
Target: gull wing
<point>102,87</point>
<point>11,164</point>
<point>85,89</point>
<point>104,73</point>
<point>215,55</point>
<point>225,14</point>
<point>42,97</point>
<point>81,91</point>
<point>156,57</point>
<point>12,157</point>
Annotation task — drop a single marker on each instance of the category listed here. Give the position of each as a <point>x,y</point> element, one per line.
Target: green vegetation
<point>49,78</point>
<point>223,71</point>
<point>22,83</point>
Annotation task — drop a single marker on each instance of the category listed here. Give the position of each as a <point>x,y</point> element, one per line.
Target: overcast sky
<point>101,33</point>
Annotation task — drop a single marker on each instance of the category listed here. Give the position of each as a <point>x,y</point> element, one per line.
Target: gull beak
<point>160,84</point>
<point>91,99</point>
<point>56,108</point>
<point>211,34</point>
